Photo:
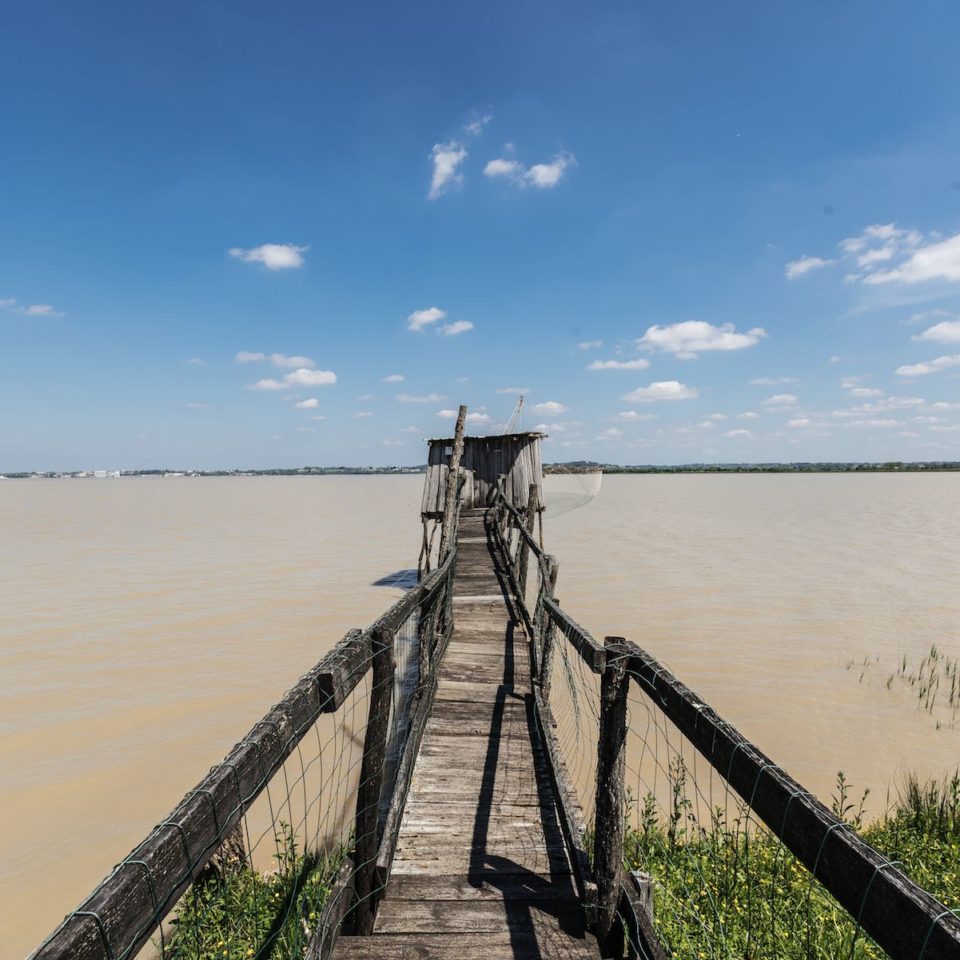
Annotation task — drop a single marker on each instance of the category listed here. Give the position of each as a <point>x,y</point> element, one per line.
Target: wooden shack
<point>514,456</point>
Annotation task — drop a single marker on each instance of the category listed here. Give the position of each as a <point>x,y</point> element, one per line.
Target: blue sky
<point>692,231</point>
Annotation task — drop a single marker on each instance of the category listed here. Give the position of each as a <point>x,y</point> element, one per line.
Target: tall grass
<point>729,889</point>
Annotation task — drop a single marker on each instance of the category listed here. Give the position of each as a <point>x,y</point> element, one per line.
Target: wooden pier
<point>424,807</point>
<point>481,869</point>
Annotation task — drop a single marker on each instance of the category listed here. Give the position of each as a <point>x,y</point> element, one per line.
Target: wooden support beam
<point>453,478</point>
<point>546,629</point>
<point>610,800</point>
<point>523,551</point>
<point>371,782</point>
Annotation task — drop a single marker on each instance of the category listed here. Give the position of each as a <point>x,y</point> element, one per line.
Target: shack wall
<point>516,456</point>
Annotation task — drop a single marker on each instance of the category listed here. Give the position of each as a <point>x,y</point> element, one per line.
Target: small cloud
<point>748,415</point>
<point>410,430</point>
<point>197,406</point>
<point>423,398</point>
<point>550,408</point>
<point>871,424</point>
<point>865,392</point>
<point>310,404</point>
<point>363,414</point>
<point>799,422</point>
<point>394,378</point>
<point>475,126</point>
<point>613,433</point>
<point>639,364</point>
<point>452,329</point>
<point>834,359</point>
<point>936,261</point>
<point>739,434</point>
<point>446,159</point>
<point>274,256</point>
<point>590,345</point>
<point>514,390</point>
<point>471,417</point>
<point>244,356</point>
<point>772,381</point>
<point>423,318</point>
<point>542,176</point>
<point>781,400</point>
<point>318,416</point>
<point>393,443</point>
<point>310,378</point>
<point>633,417</point>
<point>268,384</point>
<point>691,337</point>
<point>196,362</point>
<point>947,331</point>
<point>797,268</point>
<point>930,366</point>
<point>277,359</point>
<point>662,390</point>
<point>365,396</point>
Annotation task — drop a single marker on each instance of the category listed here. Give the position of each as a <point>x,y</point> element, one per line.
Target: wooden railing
<point>904,920</point>
<point>130,906</point>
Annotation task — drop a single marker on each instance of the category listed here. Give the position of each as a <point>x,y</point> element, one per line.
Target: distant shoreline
<point>894,466</point>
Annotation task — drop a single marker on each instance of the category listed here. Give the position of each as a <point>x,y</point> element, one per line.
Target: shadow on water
<point>401,579</point>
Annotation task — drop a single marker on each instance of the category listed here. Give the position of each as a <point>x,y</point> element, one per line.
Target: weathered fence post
<point>609,823</point>
<point>547,628</point>
<point>523,554</point>
<point>371,780</point>
<point>453,481</point>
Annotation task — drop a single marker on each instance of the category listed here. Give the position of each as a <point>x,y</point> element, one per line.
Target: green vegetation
<point>729,889</point>
<point>240,913</point>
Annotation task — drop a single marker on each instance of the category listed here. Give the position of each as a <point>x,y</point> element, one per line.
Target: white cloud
<point>739,434</point>
<point>638,364</point>
<point>772,381</point>
<point>446,158</point>
<point>502,167</point>
<point>363,414</point>
<point>318,416</point>
<point>393,443</point>
<point>930,366</point>
<point>947,331</point>
<point>718,416</point>
<point>471,417</point>
<point>5,304</point>
<point>880,406</point>
<point>196,362</point>
<point>613,433</point>
<point>781,400</point>
<point>365,396</point>
<point>691,337</point>
<point>311,404</point>
<point>197,406</point>
<point>797,268</point>
<point>423,318</point>
<point>633,417</point>
<point>799,422</point>
<point>268,384</point>
<point>452,329</point>
<point>542,176</point>
<point>513,390</point>
<point>277,359</point>
<point>31,310</point>
<point>936,261</point>
<point>475,126</point>
<point>274,256</point>
<point>410,430</point>
<point>394,378</point>
<point>547,175</point>
<point>865,392</point>
<point>550,408</point>
<point>661,390</point>
<point>748,415</point>
<point>871,424</point>
<point>590,345</point>
<point>426,398</point>
<point>310,378</point>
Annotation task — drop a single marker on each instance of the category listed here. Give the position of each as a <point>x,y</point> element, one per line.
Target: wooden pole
<point>608,833</point>
<point>453,475</point>
<point>523,556</point>
<point>371,781</point>
<point>547,629</point>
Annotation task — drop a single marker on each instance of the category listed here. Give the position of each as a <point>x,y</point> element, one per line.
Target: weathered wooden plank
<point>510,944</point>
<point>494,886</point>
<point>443,916</point>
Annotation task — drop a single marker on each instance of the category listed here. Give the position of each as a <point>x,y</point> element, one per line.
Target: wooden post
<point>453,476</point>
<point>523,548</point>
<point>371,781</point>
<point>547,629</point>
<point>609,806</point>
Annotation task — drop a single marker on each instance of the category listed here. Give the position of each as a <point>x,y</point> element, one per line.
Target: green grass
<point>731,890</point>
<point>242,913</point>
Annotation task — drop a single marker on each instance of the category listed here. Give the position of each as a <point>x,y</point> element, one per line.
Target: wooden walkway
<point>481,869</point>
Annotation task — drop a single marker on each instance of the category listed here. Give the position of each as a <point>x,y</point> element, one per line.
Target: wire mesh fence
<point>723,854</point>
<point>279,846</point>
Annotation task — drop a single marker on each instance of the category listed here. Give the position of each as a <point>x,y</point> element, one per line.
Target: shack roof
<point>530,435</point>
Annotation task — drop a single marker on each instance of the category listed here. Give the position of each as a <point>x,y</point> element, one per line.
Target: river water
<point>145,624</point>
